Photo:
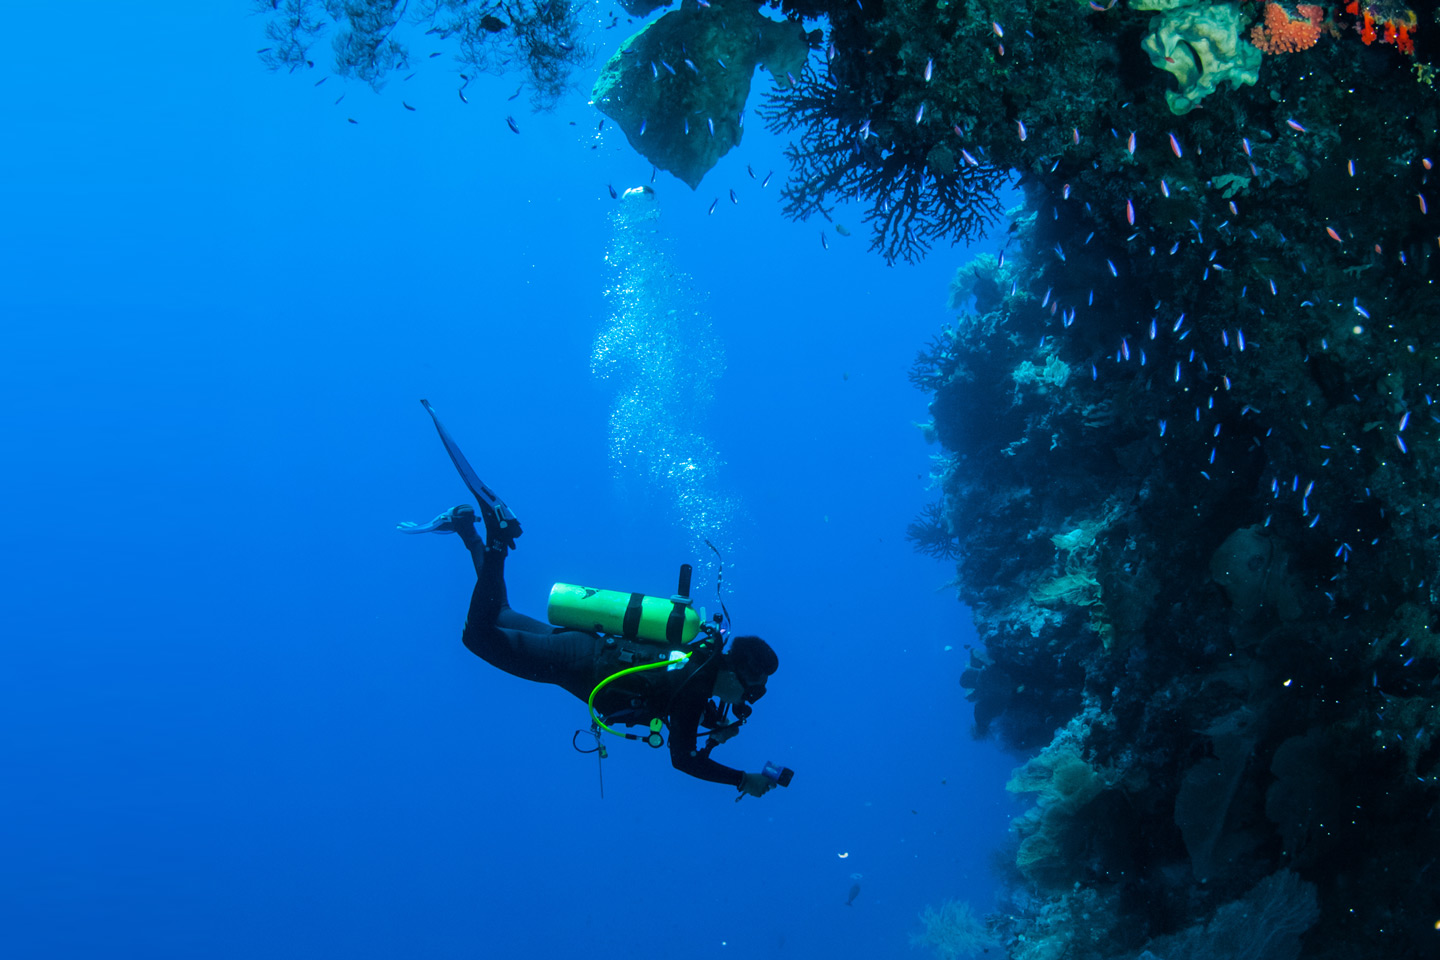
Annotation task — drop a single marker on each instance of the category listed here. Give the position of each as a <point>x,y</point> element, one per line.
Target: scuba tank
<point>634,616</point>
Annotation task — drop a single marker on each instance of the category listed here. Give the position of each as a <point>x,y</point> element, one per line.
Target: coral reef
<point>952,931</point>
<point>371,38</point>
<point>913,112</point>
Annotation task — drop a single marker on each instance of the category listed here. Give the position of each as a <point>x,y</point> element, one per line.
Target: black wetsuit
<point>578,661</point>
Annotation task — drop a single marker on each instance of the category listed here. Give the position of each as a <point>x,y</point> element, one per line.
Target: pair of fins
<point>488,501</point>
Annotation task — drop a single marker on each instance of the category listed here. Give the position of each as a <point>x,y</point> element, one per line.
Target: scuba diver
<point>634,660</point>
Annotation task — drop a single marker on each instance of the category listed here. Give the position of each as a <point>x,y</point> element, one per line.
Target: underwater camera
<point>780,776</point>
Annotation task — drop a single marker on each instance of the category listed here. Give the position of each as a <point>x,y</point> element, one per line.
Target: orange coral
<point>1396,24</point>
<point>1283,33</point>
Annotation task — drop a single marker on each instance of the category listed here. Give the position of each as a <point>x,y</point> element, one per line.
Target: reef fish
<point>854,892</point>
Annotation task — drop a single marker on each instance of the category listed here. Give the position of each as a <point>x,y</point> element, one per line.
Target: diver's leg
<point>489,564</point>
<point>566,658</point>
<point>521,646</point>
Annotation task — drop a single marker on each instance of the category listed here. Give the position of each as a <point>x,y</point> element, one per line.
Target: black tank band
<point>630,629</point>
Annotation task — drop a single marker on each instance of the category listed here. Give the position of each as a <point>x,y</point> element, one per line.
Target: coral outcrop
<point>678,87</point>
<point>1200,45</point>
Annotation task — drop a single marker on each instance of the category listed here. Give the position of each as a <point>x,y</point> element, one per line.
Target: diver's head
<point>744,669</point>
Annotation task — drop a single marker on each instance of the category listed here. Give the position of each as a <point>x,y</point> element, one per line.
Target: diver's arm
<point>684,741</point>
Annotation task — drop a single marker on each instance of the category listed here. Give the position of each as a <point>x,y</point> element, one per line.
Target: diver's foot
<point>458,516</point>
<point>501,525</point>
<point>459,519</point>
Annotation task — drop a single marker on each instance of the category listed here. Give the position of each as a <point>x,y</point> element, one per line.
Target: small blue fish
<point>713,205</point>
<point>510,122</point>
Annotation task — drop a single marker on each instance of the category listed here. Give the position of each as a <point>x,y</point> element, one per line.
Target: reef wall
<point>1190,468</point>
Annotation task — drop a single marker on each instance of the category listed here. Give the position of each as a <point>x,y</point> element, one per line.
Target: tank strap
<point>675,624</point>
<point>630,629</point>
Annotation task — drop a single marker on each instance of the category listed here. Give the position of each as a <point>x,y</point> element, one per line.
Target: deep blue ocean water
<point>236,719</point>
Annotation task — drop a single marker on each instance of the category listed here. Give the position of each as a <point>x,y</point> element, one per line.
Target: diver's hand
<point>755,784</point>
<point>720,734</point>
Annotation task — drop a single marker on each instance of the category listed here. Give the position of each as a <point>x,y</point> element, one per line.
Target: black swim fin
<point>507,525</point>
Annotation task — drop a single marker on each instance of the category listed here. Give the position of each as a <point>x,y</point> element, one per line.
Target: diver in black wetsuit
<point>580,661</point>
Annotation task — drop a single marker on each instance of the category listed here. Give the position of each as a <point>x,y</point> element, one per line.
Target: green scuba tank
<point>634,616</point>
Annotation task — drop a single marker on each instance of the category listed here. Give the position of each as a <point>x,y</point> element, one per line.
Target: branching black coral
<point>934,364</point>
<point>542,37</point>
<point>920,191</point>
<point>930,534</point>
<point>292,28</point>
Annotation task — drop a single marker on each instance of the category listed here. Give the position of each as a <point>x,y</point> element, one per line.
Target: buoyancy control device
<point>671,628</point>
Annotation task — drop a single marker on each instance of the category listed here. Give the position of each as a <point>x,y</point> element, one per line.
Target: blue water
<point>236,719</point>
